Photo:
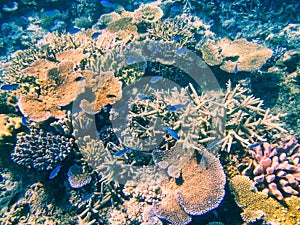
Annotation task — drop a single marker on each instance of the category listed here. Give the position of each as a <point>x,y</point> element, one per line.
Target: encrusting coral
<point>40,149</point>
<point>9,125</point>
<point>247,56</point>
<point>258,206</point>
<point>275,168</point>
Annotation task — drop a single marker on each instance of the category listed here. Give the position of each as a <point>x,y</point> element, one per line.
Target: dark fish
<point>86,198</point>
<point>154,79</point>
<point>111,96</point>
<point>54,172</point>
<point>174,108</point>
<point>181,51</point>
<point>236,70</point>
<point>131,60</point>
<point>172,133</point>
<point>9,87</point>
<point>143,97</point>
<point>254,145</point>
<point>106,4</point>
<point>122,152</point>
<point>95,35</point>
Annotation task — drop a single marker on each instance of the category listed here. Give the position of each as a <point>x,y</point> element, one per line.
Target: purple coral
<point>275,168</point>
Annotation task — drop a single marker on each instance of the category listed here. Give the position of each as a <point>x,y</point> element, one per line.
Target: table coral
<point>247,55</point>
<point>258,206</point>
<point>40,149</point>
<point>275,168</point>
<point>148,13</point>
<point>190,195</point>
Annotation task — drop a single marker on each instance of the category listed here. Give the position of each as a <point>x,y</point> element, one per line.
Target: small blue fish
<point>24,120</point>
<point>177,38</point>
<point>204,161</point>
<point>73,30</point>
<point>172,133</point>
<point>174,108</point>
<point>155,79</point>
<point>9,87</point>
<point>213,144</point>
<point>131,60</point>
<point>175,8</point>
<point>122,152</point>
<point>86,198</point>
<point>54,172</point>
<point>106,4</point>
<point>143,97</point>
<point>236,70</point>
<point>181,51</point>
<point>254,145</point>
<point>95,35</point>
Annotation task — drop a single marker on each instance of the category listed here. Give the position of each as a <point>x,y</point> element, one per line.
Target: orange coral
<point>108,90</point>
<point>59,85</point>
<point>199,190</point>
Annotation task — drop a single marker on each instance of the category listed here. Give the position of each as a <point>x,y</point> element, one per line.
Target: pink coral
<point>275,168</point>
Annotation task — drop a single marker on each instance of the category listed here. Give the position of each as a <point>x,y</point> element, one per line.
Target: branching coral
<point>246,55</point>
<point>275,167</point>
<point>40,149</point>
<point>246,120</point>
<point>257,206</point>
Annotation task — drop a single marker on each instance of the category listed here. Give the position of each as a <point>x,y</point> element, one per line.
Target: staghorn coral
<point>258,206</point>
<point>275,168</point>
<point>9,126</point>
<point>59,85</point>
<point>190,195</point>
<point>106,87</point>
<point>246,120</point>
<point>246,55</point>
<point>40,149</point>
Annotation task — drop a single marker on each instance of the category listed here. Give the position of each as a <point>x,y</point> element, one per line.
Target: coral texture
<point>40,149</point>
<point>275,167</point>
<point>8,125</point>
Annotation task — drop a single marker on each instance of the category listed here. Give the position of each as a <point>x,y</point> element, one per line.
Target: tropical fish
<point>181,51</point>
<point>204,161</point>
<point>154,79</point>
<point>172,133</point>
<point>106,4</point>
<point>24,120</point>
<point>9,87</point>
<point>174,108</point>
<point>236,70</point>
<point>122,152</point>
<point>175,8</point>
<point>95,35</point>
<point>143,97</point>
<point>86,197</point>
<point>254,145</point>
<point>54,172</point>
<point>213,144</point>
<point>177,38</point>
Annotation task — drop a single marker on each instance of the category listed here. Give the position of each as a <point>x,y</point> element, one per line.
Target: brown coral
<point>59,85</point>
<point>226,53</point>
<point>199,190</point>
<point>108,90</point>
<point>8,125</point>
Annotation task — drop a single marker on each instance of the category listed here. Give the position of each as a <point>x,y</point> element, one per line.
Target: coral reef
<point>148,13</point>
<point>8,126</point>
<point>246,55</point>
<point>190,195</point>
<point>275,167</point>
<point>78,177</point>
<point>258,206</point>
<point>40,149</point>
<point>8,189</point>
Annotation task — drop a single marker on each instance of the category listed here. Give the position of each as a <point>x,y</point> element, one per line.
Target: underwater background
<point>149,112</point>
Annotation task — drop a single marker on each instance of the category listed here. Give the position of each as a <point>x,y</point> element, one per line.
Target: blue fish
<point>204,161</point>
<point>213,144</point>
<point>9,87</point>
<point>106,4</point>
<point>174,108</point>
<point>154,79</point>
<point>122,152</point>
<point>54,172</point>
<point>73,30</point>
<point>175,8</point>
<point>86,198</point>
<point>236,70</point>
<point>177,38</point>
<point>254,145</point>
<point>24,120</point>
<point>131,60</point>
<point>172,133</point>
<point>181,51</point>
<point>143,97</point>
<point>95,35</point>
